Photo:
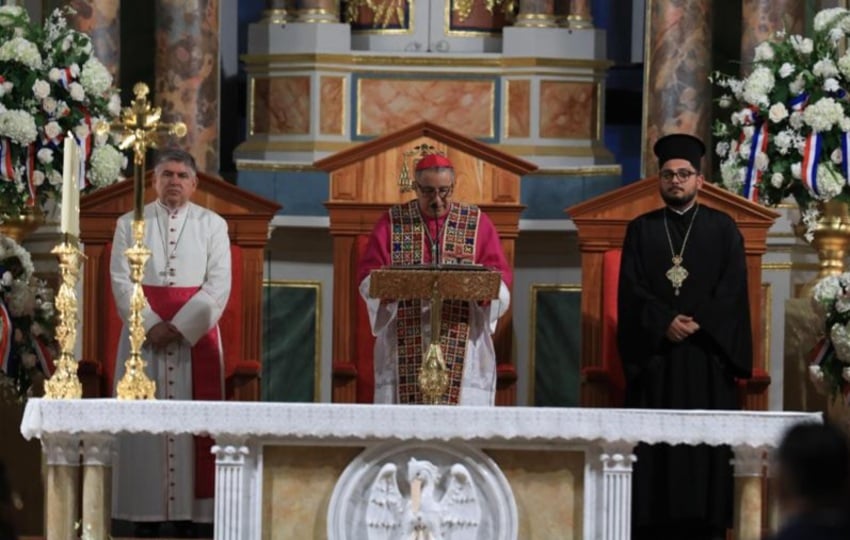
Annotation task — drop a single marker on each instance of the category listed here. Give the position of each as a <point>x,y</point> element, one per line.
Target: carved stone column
<point>617,465</point>
<point>100,20</point>
<point>235,476</point>
<point>317,11</point>
<point>97,485</point>
<point>62,504</point>
<point>580,16</point>
<point>749,465</point>
<point>762,18</point>
<point>677,89</point>
<point>187,74</point>
<point>536,13</point>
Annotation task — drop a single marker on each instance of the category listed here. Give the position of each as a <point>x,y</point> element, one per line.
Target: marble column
<point>100,20</point>
<point>234,475</point>
<point>536,13</point>
<point>617,465</point>
<point>62,504</point>
<point>580,16</point>
<point>749,466</point>
<point>760,19</point>
<point>97,485</point>
<point>187,74</point>
<point>317,11</point>
<point>677,90</point>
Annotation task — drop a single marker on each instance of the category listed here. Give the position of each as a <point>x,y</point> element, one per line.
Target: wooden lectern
<point>472,283</point>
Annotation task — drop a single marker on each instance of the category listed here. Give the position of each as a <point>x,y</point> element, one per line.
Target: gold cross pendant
<point>677,274</point>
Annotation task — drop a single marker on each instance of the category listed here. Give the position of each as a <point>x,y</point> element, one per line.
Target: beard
<point>678,201</point>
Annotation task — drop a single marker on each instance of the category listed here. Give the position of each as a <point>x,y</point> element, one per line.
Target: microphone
<point>437,239</point>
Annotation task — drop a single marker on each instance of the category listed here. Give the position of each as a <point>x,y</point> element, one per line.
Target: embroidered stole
<point>206,376</point>
<point>457,247</point>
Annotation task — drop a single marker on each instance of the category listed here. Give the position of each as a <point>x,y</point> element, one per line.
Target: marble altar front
<point>310,470</point>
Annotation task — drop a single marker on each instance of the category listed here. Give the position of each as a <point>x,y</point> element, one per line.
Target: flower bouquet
<point>830,363</point>
<point>50,84</point>
<point>787,131</point>
<point>27,322</point>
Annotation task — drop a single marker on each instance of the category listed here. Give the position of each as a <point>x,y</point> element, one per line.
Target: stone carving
<point>434,510</point>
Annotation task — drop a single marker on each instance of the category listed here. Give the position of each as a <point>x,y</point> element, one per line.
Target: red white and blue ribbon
<point>7,167</point>
<point>65,77</point>
<point>799,102</point>
<point>752,178</point>
<point>845,156</point>
<point>811,158</point>
<point>820,350</point>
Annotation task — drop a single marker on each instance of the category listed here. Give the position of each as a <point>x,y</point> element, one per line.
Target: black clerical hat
<point>679,146</point>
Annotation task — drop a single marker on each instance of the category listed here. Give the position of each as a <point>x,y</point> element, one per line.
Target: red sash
<point>206,375</point>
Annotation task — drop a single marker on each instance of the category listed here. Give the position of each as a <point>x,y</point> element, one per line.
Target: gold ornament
<point>139,128</point>
<point>64,384</point>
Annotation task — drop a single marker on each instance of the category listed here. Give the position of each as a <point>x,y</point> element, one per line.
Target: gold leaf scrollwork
<point>463,8</point>
<point>385,12</point>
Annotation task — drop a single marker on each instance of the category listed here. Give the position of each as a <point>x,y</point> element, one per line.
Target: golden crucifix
<point>139,128</point>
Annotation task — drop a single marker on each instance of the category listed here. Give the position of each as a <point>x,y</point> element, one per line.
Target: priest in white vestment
<point>187,284</point>
<point>429,228</point>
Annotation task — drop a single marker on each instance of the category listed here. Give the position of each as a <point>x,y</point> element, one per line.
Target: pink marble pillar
<point>187,74</point>
<point>677,90</point>
<point>580,16</point>
<point>760,21</point>
<point>317,11</point>
<point>100,20</point>
<point>536,13</point>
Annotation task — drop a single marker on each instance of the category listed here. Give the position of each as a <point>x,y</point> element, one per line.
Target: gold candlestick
<point>64,383</point>
<point>139,126</point>
<point>135,384</point>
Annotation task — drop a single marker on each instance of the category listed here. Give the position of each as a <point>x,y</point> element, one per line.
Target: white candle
<point>70,222</point>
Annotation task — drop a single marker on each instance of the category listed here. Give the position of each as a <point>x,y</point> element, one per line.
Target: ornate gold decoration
<point>463,8</point>
<point>405,181</point>
<point>384,11</point>
<point>478,283</point>
<point>19,226</point>
<point>139,127</point>
<point>64,384</point>
<point>831,241</point>
<point>434,375</point>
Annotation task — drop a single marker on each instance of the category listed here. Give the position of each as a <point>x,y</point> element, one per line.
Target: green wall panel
<point>556,345</point>
<point>290,350</point>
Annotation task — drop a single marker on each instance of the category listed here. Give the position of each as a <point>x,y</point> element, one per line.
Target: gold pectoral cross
<point>677,274</point>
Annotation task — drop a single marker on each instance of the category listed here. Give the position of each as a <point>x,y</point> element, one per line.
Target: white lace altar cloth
<point>606,437</point>
<point>499,426</point>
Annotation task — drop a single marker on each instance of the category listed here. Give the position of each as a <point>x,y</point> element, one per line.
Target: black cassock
<point>685,485</point>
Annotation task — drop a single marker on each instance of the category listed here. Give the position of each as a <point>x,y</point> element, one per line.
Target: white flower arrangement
<point>27,321</point>
<point>787,131</point>
<point>50,85</point>
<point>829,369</point>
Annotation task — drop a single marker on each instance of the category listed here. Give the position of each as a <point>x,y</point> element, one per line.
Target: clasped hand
<point>162,334</point>
<point>681,328</point>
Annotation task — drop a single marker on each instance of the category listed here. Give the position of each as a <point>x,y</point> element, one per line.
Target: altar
<point>318,470</point>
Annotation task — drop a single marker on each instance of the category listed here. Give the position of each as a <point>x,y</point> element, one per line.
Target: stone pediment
<point>603,219</point>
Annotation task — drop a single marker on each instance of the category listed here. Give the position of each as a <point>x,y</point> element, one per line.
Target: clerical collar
<point>685,211</point>
<point>173,212</point>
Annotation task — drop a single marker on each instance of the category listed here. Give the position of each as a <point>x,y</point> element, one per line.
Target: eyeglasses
<point>682,174</point>
<point>429,191</point>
